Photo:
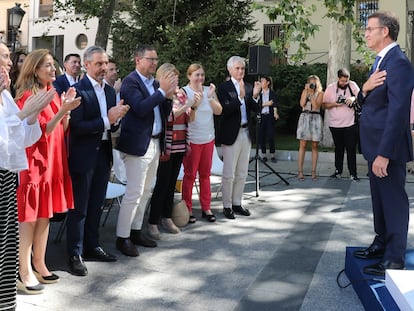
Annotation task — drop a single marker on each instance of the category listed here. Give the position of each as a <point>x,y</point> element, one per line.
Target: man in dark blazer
<point>238,99</point>
<point>386,142</point>
<point>268,116</point>
<point>140,143</point>
<point>72,65</point>
<point>90,157</point>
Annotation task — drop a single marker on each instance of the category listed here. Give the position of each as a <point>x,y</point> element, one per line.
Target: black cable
<point>355,281</point>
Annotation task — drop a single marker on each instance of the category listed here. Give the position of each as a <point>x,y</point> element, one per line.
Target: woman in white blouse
<point>18,129</point>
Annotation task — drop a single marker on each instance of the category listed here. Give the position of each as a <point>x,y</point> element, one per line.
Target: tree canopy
<point>186,31</point>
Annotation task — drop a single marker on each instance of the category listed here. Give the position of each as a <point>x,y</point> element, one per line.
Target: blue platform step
<point>370,289</point>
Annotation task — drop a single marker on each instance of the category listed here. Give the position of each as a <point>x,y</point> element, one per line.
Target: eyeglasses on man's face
<point>370,29</point>
<point>152,59</point>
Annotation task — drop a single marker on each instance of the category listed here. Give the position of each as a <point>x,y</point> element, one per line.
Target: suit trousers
<point>162,199</point>
<point>391,210</point>
<point>198,160</point>
<point>141,173</point>
<point>267,133</point>
<point>235,168</point>
<point>345,138</point>
<point>89,191</point>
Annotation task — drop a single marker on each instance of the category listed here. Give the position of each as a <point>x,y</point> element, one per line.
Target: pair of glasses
<point>152,59</point>
<point>370,29</point>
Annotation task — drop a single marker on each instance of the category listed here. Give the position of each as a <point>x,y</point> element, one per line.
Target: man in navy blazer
<point>140,143</point>
<point>386,142</point>
<point>90,157</point>
<point>72,65</point>
<point>238,99</point>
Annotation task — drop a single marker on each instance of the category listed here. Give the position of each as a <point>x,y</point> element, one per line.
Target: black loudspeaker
<point>259,60</point>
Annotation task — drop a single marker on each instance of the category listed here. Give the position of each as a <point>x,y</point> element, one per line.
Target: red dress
<point>45,187</point>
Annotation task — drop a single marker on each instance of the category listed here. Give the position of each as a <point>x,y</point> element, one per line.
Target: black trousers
<point>345,138</point>
<point>267,133</point>
<point>162,199</point>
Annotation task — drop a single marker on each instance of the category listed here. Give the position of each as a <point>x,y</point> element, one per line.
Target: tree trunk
<point>339,56</point>
<point>104,25</point>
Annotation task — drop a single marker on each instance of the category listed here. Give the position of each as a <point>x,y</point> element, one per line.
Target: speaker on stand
<point>259,64</point>
<point>259,60</point>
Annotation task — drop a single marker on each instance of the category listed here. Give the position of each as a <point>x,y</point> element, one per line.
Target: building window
<point>81,41</point>
<point>45,8</point>
<point>365,9</point>
<point>271,32</point>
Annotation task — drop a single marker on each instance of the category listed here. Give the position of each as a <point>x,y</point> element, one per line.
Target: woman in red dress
<point>45,187</point>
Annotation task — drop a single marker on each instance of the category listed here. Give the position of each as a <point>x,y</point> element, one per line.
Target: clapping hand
<point>69,102</point>
<point>257,88</point>
<point>117,112</point>
<point>4,79</point>
<point>211,91</point>
<point>36,103</point>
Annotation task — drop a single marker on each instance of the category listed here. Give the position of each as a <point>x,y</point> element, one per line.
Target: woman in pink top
<point>338,100</point>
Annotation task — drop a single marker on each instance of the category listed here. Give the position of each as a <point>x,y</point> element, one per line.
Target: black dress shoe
<point>241,210</point>
<point>126,247</point>
<point>372,252</point>
<point>77,266</point>
<point>380,267</point>
<point>138,238</point>
<point>98,254</point>
<point>228,212</point>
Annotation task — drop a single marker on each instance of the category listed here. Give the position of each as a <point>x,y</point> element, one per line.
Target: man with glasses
<point>386,142</point>
<point>140,142</point>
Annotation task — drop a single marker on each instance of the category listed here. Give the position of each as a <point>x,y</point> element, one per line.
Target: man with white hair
<point>237,99</point>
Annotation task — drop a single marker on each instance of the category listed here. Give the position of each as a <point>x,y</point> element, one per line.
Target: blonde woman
<point>310,123</point>
<point>202,138</point>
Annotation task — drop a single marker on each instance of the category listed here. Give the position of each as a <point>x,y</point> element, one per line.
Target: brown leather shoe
<point>126,247</point>
<point>138,238</point>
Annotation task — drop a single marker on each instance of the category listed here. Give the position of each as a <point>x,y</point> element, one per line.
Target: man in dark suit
<point>72,65</point>
<point>90,157</point>
<point>238,99</point>
<point>386,142</point>
<point>140,143</point>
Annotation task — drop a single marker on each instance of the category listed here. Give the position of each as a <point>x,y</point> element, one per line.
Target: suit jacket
<point>384,124</point>
<point>136,126</point>
<point>230,120</point>
<point>272,96</point>
<point>87,127</point>
<point>61,84</point>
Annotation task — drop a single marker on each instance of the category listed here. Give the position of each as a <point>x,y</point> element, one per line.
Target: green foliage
<point>296,26</point>
<point>186,31</point>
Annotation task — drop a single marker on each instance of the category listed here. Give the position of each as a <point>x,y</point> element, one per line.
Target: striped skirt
<point>9,240</point>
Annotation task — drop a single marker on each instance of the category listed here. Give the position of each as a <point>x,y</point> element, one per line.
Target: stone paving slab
<point>286,256</point>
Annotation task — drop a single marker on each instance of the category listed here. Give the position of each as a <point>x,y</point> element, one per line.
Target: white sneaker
<point>154,232</point>
<point>170,226</point>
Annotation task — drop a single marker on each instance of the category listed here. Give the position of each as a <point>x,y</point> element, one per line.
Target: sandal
<point>314,177</point>
<point>192,219</point>
<point>300,176</point>
<point>210,218</point>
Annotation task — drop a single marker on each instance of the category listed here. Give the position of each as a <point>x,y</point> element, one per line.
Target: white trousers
<point>141,173</point>
<point>235,168</point>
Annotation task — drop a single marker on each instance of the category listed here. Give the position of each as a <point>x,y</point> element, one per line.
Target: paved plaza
<point>286,256</point>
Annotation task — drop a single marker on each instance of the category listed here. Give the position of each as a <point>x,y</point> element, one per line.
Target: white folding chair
<point>114,192</point>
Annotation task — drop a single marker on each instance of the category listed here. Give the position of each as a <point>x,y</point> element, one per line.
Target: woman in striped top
<point>170,160</point>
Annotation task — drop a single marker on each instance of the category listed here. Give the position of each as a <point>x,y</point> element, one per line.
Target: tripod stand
<point>257,159</point>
